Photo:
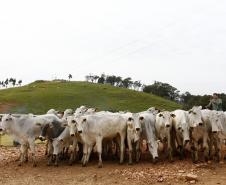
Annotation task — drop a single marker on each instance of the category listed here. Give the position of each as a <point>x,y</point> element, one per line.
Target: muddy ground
<point>145,172</point>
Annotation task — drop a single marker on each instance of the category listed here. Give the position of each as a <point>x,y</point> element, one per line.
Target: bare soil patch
<point>112,173</point>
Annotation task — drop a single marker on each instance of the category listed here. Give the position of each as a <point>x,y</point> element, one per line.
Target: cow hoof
<point>100,165</point>
<point>83,165</point>
<point>209,162</point>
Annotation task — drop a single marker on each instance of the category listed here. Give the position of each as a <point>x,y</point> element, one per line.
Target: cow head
<point>72,124</point>
<point>45,130</point>
<point>82,121</point>
<point>57,146</point>
<point>216,120</point>
<point>195,117</point>
<point>165,119</point>
<point>6,123</point>
<point>183,130</point>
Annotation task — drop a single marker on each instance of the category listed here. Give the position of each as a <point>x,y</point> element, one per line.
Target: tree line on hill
<point>113,80</point>
<point>165,90</point>
<point>10,81</point>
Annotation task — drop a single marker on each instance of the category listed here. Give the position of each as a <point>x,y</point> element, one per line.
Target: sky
<point>178,41</point>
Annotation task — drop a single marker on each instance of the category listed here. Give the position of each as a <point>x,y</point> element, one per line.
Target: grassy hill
<point>38,97</point>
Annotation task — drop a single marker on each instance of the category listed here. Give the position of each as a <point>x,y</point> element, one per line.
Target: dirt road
<point>112,173</point>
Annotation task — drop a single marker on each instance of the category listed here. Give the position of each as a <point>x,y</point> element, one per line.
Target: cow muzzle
<point>72,135</point>
<point>155,160</point>
<point>137,129</point>
<point>80,131</point>
<point>1,129</point>
<point>167,126</point>
<point>200,124</point>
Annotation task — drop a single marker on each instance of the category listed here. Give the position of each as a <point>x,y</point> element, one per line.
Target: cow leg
<point>50,153</point>
<point>56,160</point>
<point>32,147</point>
<point>180,146</point>
<point>222,151</point>
<point>138,153</point>
<point>130,147</point>
<point>85,151</point>
<point>170,150</point>
<point>26,154</point>
<point>211,143</point>
<point>99,151</point>
<point>122,148</point>
<point>46,149</point>
<point>90,148</point>
<point>206,148</point>
<point>22,154</point>
<point>73,152</point>
<point>195,152</point>
<point>217,146</point>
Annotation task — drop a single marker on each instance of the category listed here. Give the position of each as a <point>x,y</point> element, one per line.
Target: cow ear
<point>173,115</point>
<point>160,115</point>
<point>200,107</point>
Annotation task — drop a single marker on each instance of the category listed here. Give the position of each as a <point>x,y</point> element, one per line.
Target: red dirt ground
<point>112,173</point>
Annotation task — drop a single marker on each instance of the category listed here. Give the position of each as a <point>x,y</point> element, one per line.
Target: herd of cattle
<point>77,134</point>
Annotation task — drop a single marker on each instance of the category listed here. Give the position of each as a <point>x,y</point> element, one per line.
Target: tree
<point>127,82</point>
<point>162,89</point>
<point>111,80</point>
<point>101,80</point>
<point>137,85</point>
<point>118,81</point>
<point>19,82</point>
<point>70,77</point>
<point>6,82</point>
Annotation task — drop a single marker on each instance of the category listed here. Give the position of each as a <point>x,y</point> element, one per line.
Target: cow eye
<point>130,119</point>
<point>7,119</point>
<point>194,113</point>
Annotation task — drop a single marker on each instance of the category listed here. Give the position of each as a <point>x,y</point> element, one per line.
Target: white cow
<point>94,128</point>
<point>25,130</point>
<point>145,130</point>
<point>164,126</point>
<point>181,129</point>
<point>200,129</point>
<point>63,141</point>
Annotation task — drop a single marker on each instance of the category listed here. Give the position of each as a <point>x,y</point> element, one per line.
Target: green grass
<point>38,97</point>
